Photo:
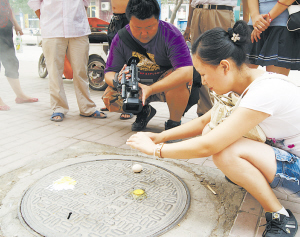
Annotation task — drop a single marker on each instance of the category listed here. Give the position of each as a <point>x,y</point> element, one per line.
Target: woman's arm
<point>258,21</point>
<point>279,7</point>
<point>18,28</point>
<point>191,129</point>
<point>229,131</point>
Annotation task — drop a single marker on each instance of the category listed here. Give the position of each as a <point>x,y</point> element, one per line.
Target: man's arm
<point>35,5</point>
<point>38,13</point>
<point>109,77</point>
<point>177,78</point>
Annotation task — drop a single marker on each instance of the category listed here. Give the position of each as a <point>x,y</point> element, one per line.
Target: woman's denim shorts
<point>288,173</point>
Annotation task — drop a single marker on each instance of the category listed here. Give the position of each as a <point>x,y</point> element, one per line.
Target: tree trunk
<point>177,5</point>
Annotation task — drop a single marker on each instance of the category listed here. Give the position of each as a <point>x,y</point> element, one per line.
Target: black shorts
<point>118,21</point>
<point>7,52</point>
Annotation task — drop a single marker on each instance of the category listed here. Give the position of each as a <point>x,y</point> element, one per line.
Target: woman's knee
<point>226,157</point>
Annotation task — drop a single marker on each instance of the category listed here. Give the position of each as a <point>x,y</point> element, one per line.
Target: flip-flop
<point>96,114</point>
<point>122,118</point>
<point>4,107</point>
<point>22,101</point>
<point>61,115</point>
<point>104,109</point>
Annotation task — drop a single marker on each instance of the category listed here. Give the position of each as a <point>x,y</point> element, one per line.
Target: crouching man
<point>165,66</point>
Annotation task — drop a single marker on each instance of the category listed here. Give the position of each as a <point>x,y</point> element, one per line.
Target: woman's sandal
<point>61,115</point>
<point>96,114</point>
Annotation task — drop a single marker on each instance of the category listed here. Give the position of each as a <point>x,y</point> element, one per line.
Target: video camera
<point>130,88</point>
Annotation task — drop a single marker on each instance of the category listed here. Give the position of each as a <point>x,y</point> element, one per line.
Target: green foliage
<point>21,6</point>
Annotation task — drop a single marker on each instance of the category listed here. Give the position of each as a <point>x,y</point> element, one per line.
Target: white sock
<point>283,212</point>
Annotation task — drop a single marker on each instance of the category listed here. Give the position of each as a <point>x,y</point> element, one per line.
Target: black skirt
<point>278,47</point>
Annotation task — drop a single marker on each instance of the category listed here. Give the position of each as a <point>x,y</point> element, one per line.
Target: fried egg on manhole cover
<point>91,199</point>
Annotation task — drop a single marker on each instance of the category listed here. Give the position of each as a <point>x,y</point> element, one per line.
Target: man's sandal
<point>104,109</point>
<point>61,115</point>
<point>122,116</point>
<point>96,114</point>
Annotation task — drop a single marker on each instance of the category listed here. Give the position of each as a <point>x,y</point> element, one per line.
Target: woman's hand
<point>255,35</point>
<point>18,30</point>
<point>146,92</point>
<point>155,137</point>
<point>142,141</point>
<point>260,23</point>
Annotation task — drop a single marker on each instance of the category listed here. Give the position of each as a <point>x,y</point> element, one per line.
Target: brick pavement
<point>27,134</point>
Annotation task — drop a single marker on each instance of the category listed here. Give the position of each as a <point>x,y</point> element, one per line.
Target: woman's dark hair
<point>217,44</point>
<point>142,9</point>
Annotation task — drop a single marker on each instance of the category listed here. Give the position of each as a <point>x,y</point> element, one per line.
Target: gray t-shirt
<point>166,50</point>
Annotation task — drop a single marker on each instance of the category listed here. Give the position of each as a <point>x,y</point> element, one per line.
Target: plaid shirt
<point>5,13</point>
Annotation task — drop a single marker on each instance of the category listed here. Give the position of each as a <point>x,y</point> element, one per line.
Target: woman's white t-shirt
<point>281,100</point>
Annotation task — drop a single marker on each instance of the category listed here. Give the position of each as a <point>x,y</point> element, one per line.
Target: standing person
<point>205,15</point>
<point>271,101</point>
<point>65,30</point>
<point>167,65</point>
<point>8,54</point>
<point>272,44</point>
<point>118,21</point>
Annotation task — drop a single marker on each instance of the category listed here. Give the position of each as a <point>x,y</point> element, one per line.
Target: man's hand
<point>146,92</point>
<point>123,70</point>
<point>187,34</point>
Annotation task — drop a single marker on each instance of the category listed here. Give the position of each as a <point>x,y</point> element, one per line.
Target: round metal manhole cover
<point>97,198</point>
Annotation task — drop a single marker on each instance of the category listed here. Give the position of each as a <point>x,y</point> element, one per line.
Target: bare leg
<point>3,106</point>
<point>272,68</point>
<point>280,70</point>
<point>252,165</point>
<point>252,66</point>
<point>15,85</point>
<point>177,100</point>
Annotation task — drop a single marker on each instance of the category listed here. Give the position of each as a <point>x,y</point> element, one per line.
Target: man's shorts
<point>114,102</point>
<point>288,173</point>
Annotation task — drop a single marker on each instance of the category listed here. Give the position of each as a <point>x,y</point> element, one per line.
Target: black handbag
<point>293,23</point>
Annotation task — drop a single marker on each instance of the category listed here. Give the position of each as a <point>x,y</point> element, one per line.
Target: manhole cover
<point>96,198</point>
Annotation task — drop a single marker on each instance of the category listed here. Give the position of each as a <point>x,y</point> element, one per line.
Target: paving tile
<point>198,161</point>
<point>280,195</point>
<point>294,207</point>
<point>210,163</point>
<point>6,153</point>
<point>251,205</point>
<point>261,227</point>
<point>244,225</point>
